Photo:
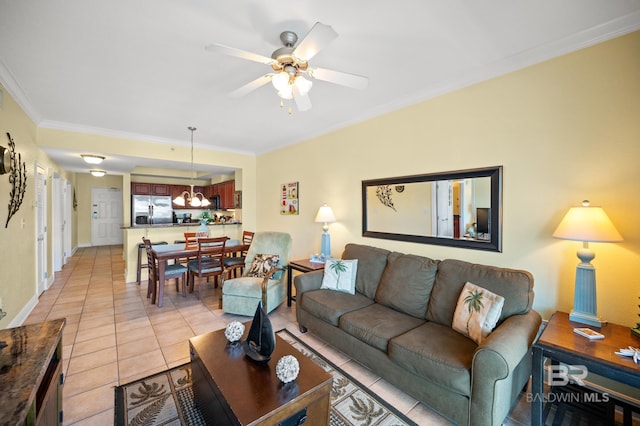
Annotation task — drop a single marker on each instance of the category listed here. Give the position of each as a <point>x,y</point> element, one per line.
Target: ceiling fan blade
<point>302,101</point>
<point>232,51</point>
<point>316,39</point>
<point>251,86</point>
<point>342,78</point>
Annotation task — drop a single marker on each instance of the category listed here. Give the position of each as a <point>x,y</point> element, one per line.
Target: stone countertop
<point>178,225</point>
<point>23,365</point>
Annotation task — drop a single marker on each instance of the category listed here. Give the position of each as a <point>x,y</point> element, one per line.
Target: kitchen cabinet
<point>160,189</point>
<point>226,192</point>
<point>141,188</point>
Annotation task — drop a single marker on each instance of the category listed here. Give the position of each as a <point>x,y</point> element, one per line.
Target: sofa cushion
<point>515,286</point>
<point>376,324</point>
<point>330,305</point>
<point>340,275</point>
<point>371,264</point>
<point>477,312</point>
<point>437,353</point>
<point>406,283</point>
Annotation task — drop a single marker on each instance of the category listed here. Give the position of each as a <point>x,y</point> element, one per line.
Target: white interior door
<point>57,223</point>
<point>106,216</point>
<point>68,205</point>
<point>444,201</point>
<point>41,229</point>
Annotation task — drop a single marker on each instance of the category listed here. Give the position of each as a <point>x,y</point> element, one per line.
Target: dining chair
<point>209,262</point>
<point>176,271</point>
<point>241,295</point>
<point>142,265</point>
<point>237,262</point>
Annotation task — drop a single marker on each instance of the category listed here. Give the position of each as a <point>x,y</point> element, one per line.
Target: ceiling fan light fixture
<point>286,93</point>
<point>280,81</point>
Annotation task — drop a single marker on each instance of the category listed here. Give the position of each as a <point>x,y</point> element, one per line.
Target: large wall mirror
<point>460,208</point>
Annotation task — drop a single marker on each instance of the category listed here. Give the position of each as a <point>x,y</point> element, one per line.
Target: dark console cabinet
<point>31,374</point>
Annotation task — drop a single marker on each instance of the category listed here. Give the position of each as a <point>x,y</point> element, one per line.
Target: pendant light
<point>196,199</point>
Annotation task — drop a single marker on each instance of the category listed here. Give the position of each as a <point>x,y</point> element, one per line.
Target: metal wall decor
<point>17,179</point>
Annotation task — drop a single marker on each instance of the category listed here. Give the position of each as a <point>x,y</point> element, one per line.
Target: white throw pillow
<point>340,275</point>
<point>477,312</point>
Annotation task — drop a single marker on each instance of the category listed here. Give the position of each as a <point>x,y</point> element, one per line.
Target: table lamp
<point>586,224</point>
<point>325,214</point>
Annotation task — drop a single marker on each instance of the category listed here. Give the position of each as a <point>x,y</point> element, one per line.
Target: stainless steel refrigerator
<point>151,209</point>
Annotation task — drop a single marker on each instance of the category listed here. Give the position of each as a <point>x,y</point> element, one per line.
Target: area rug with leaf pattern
<point>167,398</point>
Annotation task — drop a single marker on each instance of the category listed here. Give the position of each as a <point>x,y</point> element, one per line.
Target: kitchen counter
<point>170,225</point>
<point>169,232</point>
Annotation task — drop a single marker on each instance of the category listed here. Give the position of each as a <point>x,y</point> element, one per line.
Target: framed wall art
<point>289,198</point>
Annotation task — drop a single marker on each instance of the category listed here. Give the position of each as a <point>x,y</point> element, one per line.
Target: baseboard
<point>22,316</point>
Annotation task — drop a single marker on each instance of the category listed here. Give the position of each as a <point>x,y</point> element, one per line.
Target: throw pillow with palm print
<point>340,275</point>
<point>477,312</point>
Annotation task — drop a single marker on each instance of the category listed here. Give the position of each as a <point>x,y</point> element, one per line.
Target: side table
<point>559,343</point>
<point>302,265</point>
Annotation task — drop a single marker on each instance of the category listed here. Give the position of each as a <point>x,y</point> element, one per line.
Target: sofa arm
<point>495,360</point>
<point>308,281</point>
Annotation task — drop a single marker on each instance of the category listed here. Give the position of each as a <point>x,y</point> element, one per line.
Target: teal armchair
<point>240,296</point>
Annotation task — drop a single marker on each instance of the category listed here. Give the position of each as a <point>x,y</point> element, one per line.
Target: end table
<point>559,343</point>
<point>302,265</point>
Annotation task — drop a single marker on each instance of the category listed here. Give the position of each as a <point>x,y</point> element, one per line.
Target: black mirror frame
<point>495,241</point>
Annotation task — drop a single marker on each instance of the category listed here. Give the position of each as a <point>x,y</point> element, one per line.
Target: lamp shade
<point>587,223</point>
<point>325,214</point>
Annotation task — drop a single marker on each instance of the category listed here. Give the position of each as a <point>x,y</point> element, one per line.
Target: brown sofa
<point>398,324</point>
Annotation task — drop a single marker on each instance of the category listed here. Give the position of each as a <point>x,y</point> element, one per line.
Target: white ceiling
<point>138,68</point>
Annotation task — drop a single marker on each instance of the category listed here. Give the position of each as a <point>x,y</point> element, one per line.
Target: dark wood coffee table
<point>231,389</point>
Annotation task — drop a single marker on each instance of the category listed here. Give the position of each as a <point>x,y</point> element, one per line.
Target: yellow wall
<point>564,130</point>
<point>17,240</point>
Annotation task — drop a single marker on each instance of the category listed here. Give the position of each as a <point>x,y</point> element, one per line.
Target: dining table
<point>167,252</point>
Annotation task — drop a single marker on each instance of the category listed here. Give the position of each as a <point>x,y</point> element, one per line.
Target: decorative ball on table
<point>287,369</point>
<point>234,332</point>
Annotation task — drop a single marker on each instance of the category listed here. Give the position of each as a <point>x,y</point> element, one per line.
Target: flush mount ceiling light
<point>97,173</point>
<point>290,62</point>
<point>196,199</point>
<point>92,159</point>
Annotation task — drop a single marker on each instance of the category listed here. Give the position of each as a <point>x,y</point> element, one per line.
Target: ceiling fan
<point>291,63</point>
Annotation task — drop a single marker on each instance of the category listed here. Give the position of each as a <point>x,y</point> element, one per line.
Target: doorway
<point>41,229</point>
<point>106,216</point>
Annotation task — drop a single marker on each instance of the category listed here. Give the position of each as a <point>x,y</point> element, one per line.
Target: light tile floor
<point>113,335</point>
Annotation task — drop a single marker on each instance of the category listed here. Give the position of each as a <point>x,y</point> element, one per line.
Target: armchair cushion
<point>262,264</point>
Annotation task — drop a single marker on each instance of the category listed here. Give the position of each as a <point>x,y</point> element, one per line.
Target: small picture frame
<point>289,199</point>
<point>237,200</point>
